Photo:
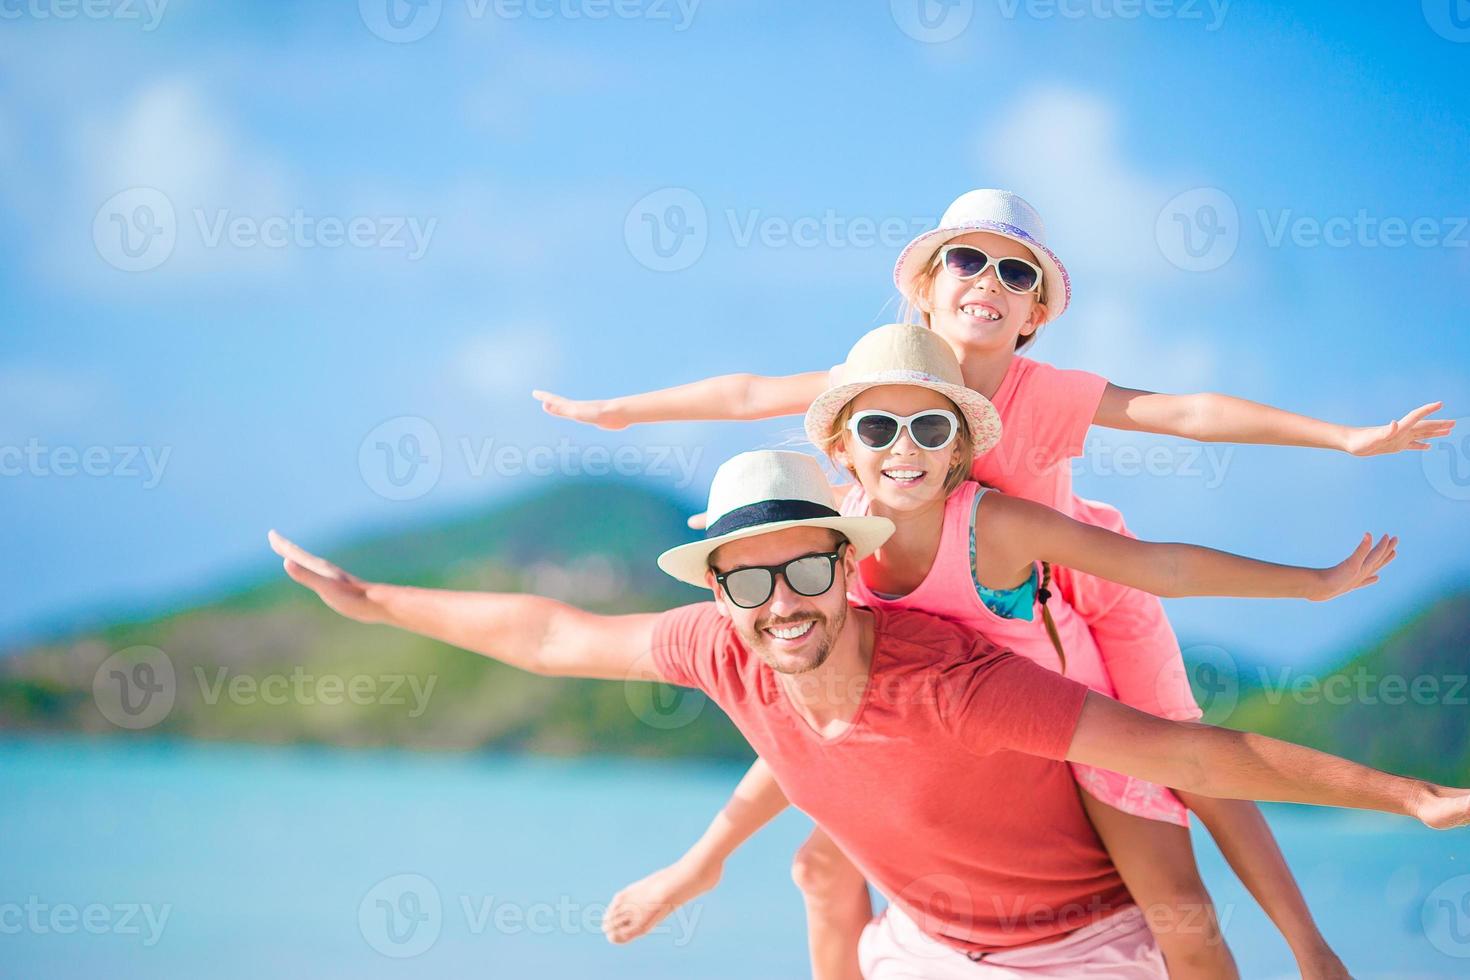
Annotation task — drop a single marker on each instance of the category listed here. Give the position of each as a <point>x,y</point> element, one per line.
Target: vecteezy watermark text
<point>404,457</point>
<point>406,21</point>
<point>301,687</point>
<point>403,915</point>
<point>669,229</point>
<point>37,459</point>
<point>95,918</point>
<point>138,229</point>
<point>148,12</point>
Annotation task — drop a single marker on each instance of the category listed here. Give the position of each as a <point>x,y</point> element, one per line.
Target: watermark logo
<point>401,459</point>
<point>1198,230</point>
<point>135,688</point>
<point>1207,464</point>
<point>148,12</point>
<point>135,230</point>
<point>42,461</point>
<point>301,687</point>
<point>662,706</point>
<point>1211,674</point>
<point>96,919</point>
<point>1181,10</point>
<point>667,231</point>
<point>1362,230</point>
<point>932,21</point>
<point>400,21</point>
<point>1447,463</point>
<point>936,903</point>
<point>1445,916</point>
<point>405,21</point>
<point>1450,19</point>
<point>138,229</point>
<point>401,916</point>
<point>404,459</point>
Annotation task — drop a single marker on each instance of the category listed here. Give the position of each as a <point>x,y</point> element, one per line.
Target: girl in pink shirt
<point>981,558</point>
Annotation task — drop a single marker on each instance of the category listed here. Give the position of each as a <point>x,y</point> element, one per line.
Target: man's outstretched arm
<point>536,634</point>
<point>1228,764</point>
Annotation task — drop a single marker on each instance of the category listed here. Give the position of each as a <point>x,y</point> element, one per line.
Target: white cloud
<point>1062,150</point>
<point>169,137</point>
<point>505,366</point>
<point>36,399</point>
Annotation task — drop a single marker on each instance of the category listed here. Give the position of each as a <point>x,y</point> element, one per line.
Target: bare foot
<point>647,902</point>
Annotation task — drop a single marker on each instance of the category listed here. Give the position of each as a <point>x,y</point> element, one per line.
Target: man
<point>935,760</point>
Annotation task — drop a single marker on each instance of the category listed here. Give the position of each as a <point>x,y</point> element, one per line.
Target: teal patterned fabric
<point>1014,603</point>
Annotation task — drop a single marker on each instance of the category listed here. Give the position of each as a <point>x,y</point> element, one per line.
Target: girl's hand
<point>599,412</point>
<point>1358,569</point>
<point>641,906</point>
<point>345,593</point>
<point>1410,432</point>
<point>1442,807</point>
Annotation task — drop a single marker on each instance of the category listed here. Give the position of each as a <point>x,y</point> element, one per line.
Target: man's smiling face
<point>791,632</point>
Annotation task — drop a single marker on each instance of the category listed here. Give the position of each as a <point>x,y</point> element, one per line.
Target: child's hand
<point>599,413</point>
<point>1410,432</point>
<point>641,906</point>
<point>342,591</point>
<point>1358,569</point>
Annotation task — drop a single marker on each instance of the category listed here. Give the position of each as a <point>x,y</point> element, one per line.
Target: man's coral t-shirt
<point>946,790</point>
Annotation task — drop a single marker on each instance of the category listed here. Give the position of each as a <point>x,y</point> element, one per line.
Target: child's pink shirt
<point>1045,413</point>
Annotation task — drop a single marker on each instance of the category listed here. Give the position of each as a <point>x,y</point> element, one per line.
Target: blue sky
<point>530,149</point>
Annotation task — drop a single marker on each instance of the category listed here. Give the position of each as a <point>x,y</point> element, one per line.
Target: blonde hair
<point>923,289</point>
<point>959,470</point>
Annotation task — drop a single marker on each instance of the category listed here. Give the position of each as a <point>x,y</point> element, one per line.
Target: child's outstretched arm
<point>644,904</point>
<point>1018,532</point>
<point>733,397</point>
<point>1222,418</point>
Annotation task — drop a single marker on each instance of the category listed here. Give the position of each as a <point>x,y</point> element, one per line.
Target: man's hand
<point>1442,808</point>
<point>1358,569</point>
<point>597,412</point>
<point>1413,431</point>
<point>345,593</point>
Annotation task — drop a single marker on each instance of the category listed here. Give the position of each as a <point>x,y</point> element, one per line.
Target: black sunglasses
<point>810,575</point>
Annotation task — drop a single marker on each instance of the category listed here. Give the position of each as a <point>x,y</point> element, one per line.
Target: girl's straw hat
<point>904,354</point>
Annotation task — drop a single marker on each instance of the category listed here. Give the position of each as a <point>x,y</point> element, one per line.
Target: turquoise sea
<point>132,858</point>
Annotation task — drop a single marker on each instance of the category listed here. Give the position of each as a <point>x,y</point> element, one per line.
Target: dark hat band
<point>768,512</point>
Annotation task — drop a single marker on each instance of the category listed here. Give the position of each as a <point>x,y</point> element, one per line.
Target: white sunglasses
<point>969,262</point>
<point>932,429</point>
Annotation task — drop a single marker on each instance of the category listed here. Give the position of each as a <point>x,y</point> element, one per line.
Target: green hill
<point>593,544</point>
<point>1403,704</point>
<point>590,543</point>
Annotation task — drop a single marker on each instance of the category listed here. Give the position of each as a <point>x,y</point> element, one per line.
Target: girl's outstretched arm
<point>1222,418</point>
<point>642,905</point>
<point>734,397</point>
<point>1017,532</point>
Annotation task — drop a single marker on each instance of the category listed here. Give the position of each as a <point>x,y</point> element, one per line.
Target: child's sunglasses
<point>809,575</point>
<point>876,429</point>
<point>969,262</point>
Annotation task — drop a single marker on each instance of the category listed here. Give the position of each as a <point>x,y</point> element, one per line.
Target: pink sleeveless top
<point>949,590</point>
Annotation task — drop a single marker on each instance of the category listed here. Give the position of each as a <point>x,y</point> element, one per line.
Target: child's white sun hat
<point>1000,213</point>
